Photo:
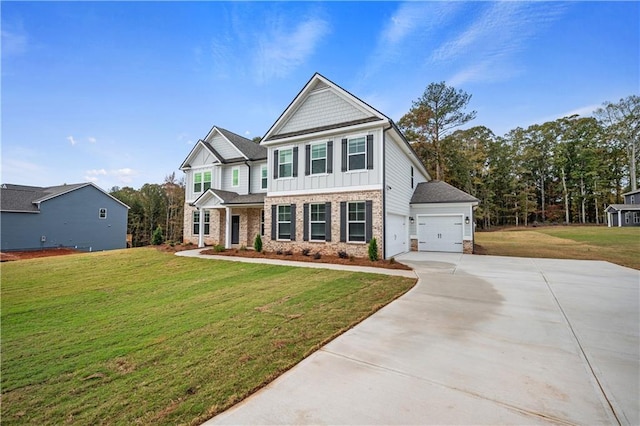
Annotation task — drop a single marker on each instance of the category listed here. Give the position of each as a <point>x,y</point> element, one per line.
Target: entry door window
<point>235,229</point>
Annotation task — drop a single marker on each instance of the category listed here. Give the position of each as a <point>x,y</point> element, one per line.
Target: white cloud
<point>71,140</point>
<point>280,50</point>
<point>13,42</point>
<point>123,175</point>
<point>91,139</point>
<point>96,172</point>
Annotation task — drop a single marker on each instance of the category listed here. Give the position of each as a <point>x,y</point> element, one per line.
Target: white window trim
<point>233,172</point>
<point>194,222</point>
<point>201,172</point>
<point>349,139</point>
<point>636,217</point>
<point>326,154</point>
<point>204,222</point>
<point>280,163</point>
<point>278,222</point>
<point>364,222</point>
<point>100,213</point>
<point>311,222</point>
<point>264,179</point>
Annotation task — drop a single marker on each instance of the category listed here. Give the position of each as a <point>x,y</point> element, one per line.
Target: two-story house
<point>627,214</point>
<point>329,175</point>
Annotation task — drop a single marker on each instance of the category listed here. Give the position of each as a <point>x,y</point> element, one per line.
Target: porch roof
<point>227,198</point>
<point>622,207</point>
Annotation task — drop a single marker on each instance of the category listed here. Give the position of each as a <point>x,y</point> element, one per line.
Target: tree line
<point>153,206</point>
<point>562,171</point>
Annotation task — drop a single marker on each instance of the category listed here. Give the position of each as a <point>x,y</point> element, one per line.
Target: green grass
<point>140,336</point>
<point>616,245</point>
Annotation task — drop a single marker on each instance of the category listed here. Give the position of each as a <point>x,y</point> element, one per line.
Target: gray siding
<point>69,220</point>
<point>333,181</point>
<point>243,181</point>
<point>223,147</point>
<point>256,177</point>
<point>398,178</point>
<point>322,108</point>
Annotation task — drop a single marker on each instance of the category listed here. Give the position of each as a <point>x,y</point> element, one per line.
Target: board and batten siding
<point>224,148</point>
<point>398,178</point>
<point>462,209</point>
<point>329,182</point>
<point>322,108</point>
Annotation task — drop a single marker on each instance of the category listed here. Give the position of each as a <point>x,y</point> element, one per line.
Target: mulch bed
<point>32,254</point>
<point>299,257</point>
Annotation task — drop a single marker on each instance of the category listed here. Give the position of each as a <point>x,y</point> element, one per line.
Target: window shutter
<point>327,223</point>
<point>369,152</point>
<point>305,220</point>
<point>368,220</point>
<point>275,164</point>
<point>307,159</point>
<point>293,222</point>
<point>274,221</point>
<point>343,221</point>
<point>330,157</point>
<point>344,155</point>
<point>295,161</point>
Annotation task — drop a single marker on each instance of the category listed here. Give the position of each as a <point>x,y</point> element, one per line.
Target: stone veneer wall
<point>329,247</point>
<point>249,226</point>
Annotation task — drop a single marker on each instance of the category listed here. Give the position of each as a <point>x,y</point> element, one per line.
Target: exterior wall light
<point>466,220</point>
<point>411,220</point>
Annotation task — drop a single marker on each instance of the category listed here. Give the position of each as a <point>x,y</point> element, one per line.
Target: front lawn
<point>616,245</point>
<point>141,336</point>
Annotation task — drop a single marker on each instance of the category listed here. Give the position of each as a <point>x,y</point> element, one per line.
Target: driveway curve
<point>479,340</point>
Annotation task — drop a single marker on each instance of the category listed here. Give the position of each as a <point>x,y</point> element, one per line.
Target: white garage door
<point>397,235</point>
<point>440,233</point>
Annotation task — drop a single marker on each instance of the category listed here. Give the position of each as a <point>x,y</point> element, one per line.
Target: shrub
<point>373,250</point>
<point>278,251</point>
<point>157,238</point>
<point>288,253</point>
<point>392,260</point>
<point>305,252</point>
<point>243,248</point>
<point>352,258</point>
<point>218,248</point>
<point>342,254</point>
<point>257,244</point>
<point>317,255</point>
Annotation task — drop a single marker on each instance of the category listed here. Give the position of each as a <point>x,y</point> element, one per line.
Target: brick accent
<point>333,246</point>
<point>414,244</point>
<point>467,247</point>
<point>249,226</point>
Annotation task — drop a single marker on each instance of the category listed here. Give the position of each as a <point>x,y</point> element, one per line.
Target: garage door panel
<point>440,233</point>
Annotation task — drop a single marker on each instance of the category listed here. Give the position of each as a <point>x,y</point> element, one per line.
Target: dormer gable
<point>321,105</point>
<point>201,154</point>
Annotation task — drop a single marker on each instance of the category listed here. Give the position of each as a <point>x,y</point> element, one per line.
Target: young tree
<point>435,114</point>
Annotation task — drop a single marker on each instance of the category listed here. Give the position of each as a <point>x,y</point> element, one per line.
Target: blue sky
<point>118,92</point>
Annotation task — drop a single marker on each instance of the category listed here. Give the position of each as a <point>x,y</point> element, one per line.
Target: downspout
<point>246,163</point>
<point>384,190</point>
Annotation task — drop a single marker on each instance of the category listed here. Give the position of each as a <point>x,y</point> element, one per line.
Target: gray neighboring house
<point>81,216</point>
<point>627,214</point>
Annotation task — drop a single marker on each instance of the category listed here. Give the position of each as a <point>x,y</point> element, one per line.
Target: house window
<point>102,213</point>
<point>206,184</point>
<point>285,163</point>
<point>197,182</point>
<point>262,222</point>
<point>636,217</point>
<point>318,158</point>
<point>626,217</point>
<point>284,222</point>
<point>632,200</point>
<point>263,181</point>
<point>356,222</point>
<point>317,222</point>
<point>357,149</point>
<point>235,177</point>
<point>196,222</point>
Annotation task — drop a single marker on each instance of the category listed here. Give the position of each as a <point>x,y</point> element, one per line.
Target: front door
<point>235,229</point>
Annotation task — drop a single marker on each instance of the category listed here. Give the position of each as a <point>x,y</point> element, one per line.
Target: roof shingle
<point>436,191</point>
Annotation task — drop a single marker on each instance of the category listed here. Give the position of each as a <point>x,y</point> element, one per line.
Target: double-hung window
<point>284,222</point>
<point>285,163</point>
<point>207,219</point>
<point>317,222</point>
<point>201,181</point>
<point>356,221</point>
<point>636,217</point>
<point>197,223</point>
<point>206,181</point>
<point>319,158</point>
<point>357,153</point>
<point>102,213</point>
<point>235,177</point>
<point>263,177</point>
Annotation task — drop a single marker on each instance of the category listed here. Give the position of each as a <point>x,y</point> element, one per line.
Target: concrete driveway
<point>480,340</point>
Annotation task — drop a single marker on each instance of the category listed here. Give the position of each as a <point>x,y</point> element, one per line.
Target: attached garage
<point>440,233</point>
<point>397,235</point>
<point>441,218</point>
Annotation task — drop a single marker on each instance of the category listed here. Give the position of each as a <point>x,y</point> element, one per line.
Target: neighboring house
<point>627,214</point>
<point>80,216</point>
<point>329,175</point>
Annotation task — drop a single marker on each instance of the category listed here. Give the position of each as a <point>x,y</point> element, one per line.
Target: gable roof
<point>27,199</point>
<point>622,207</point>
<point>637,191</point>
<point>436,191</point>
<point>247,150</point>
<point>316,84</point>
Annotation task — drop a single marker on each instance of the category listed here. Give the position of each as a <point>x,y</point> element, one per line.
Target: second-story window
<point>357,150</point>
<point>285,163</point>
<point>235,177</point>
<point>206,181</point>
<point>263,177</point>
<point>318,158</point>
<point>201,181</point>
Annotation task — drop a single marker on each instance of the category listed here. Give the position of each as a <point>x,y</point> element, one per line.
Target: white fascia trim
<point>326,133</point>
<point>325,191</point>
<point>443,205</point>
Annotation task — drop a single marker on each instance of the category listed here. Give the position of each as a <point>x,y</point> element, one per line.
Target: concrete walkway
<point>480,340</point>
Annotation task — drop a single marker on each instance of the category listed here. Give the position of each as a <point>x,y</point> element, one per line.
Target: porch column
<point>619,218</point>
<point>227,229</point>
<point>608,219</point>
<point>201,227</point>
